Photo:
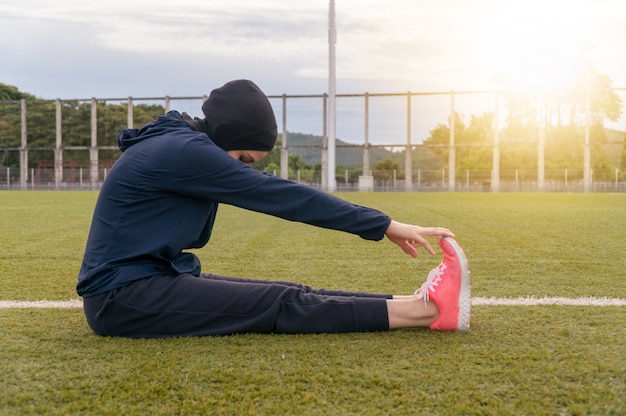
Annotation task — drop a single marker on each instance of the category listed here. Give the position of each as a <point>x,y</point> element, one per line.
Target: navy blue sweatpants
<point>187,305</point>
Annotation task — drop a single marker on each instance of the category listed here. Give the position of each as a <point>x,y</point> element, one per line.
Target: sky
<point>119,48</point>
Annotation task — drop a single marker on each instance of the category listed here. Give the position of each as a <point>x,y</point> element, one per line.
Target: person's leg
<point>409,312</point>
<point>403,311</point>
<point>305,288</point>
<point>187,305</point>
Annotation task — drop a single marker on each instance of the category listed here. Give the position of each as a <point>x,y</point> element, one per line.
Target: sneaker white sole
<point>465,293</point>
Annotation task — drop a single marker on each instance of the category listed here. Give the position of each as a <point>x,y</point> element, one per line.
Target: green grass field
<point>524,360</point>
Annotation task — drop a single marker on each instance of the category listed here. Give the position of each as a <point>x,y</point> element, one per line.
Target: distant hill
<point>350,155</point>
<point>347,154</point>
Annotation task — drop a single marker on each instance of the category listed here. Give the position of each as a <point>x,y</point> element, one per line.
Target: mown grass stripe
<point>479,301</point>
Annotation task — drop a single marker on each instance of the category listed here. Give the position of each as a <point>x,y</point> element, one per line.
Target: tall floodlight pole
<point>332,40</point>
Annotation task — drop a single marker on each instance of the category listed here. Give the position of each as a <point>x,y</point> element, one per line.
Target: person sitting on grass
<point>161,197</point>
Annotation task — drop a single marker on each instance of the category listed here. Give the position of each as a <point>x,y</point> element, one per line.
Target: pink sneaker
<point>449,286</point>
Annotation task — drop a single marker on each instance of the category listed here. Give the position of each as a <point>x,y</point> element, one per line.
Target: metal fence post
<point>58,148</point>
<point>408,167</point>
<point>587,150</point>
<point>324,161</point>
<point>452,147</point>
<point>23,147</point>
<point>93,149</point>
<point>130,118</point>
<point>366,144</point>
<point>284,152</point>
<point>541,146</point>
<point>495,168</point>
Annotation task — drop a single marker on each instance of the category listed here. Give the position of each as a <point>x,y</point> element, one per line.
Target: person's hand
<point>410,237</point>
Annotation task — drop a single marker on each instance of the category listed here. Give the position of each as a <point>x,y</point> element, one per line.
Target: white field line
<point>531,301</point>
<point>17,304</point>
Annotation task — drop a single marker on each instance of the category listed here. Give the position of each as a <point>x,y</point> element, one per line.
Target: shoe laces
<point>434,277</point>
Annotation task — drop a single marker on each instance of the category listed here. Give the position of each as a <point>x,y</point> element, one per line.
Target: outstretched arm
<point>410,237</point>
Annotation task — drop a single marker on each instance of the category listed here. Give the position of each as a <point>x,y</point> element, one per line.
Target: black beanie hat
<point>238,116</point>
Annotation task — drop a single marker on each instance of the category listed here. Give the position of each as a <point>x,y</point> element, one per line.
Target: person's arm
<point>204,171</point>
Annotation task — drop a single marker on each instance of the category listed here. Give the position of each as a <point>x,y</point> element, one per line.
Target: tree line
<point>562,113</point>
<point>75,126</point>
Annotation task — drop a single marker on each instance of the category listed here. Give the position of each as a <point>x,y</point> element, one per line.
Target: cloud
<point>247,28</point>
<point>157,47</point>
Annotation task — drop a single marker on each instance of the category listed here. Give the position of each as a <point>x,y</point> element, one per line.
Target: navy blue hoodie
<point>161,197</point>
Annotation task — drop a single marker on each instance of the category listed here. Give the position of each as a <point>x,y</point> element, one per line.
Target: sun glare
<point>538,45</point>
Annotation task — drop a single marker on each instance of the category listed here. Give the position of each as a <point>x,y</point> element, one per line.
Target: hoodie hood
<point>128,137</point>
<point>238,116</point>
